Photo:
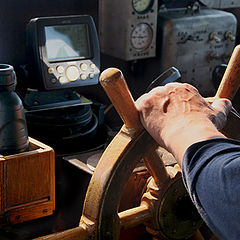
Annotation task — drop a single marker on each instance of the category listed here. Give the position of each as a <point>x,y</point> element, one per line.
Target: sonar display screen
<point>67,42</point>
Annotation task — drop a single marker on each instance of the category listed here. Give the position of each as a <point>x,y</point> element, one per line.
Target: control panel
<point>221,4</point>
<point>63,52</point>
<point>127,28</point>
<point>195,43</point>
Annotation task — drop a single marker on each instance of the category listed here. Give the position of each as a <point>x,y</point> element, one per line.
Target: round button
<point>83,66</point>
<point>62,80</point>
<point>60,69</point>
<point>50,70</point>
<point>92,65</point>
<point>72,73</point>
<point>53,80</point>
<point>83,76</point>
<point>91,75</point>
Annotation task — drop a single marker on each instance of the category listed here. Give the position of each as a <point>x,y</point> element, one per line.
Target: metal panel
<point>221,3</point>
<point>117,21</point>
<point>196,43</point>
<point>229,4</point>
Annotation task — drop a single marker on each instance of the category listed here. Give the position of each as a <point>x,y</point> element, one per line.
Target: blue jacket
<point>211,174</point>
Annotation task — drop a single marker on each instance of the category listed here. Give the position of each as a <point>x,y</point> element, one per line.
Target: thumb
<point>222,107</point>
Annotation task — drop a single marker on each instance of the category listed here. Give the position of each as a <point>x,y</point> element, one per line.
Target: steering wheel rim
<point>100,219</point>
<point>118,161</point>
<point>101,206</point>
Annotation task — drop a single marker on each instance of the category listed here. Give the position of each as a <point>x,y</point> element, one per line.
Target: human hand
<point>177,116</point>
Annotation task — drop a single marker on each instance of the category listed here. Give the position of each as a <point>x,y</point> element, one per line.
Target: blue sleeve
<point>211,174</point>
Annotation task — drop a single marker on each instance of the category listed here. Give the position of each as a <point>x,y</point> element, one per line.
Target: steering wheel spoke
<point>155,165</point>
<point>165,205</point>
<point>134,216</point>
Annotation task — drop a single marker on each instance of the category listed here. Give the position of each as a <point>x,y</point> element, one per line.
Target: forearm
<point>211,175</point>
<point>180,138</point>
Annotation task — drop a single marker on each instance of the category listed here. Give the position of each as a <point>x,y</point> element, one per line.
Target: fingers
<point>167,113</point>
<point>162,91</point>
<point>145,101</point>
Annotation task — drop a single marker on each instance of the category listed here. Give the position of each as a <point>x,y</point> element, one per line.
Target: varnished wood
<point>231,78</point>
<point>27,179</point>
<point>28,183</point>
<point>134,216</point>
<point>100,217</point>
<point>31,211</point>
<point>114,84</point>
<point>77,233</point>
<point>227,89</point>
<point>155,165</point>
<point>117,162</point>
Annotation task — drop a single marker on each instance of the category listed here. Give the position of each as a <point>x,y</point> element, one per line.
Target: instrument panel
<point>195,43</point>
<point>128,28</point>
<point>142,6</point>
<point>63,52</point>
<point>221,4</point>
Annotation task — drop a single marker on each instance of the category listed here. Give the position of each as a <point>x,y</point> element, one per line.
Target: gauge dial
<point>142,6</point>
<point>141,36</point>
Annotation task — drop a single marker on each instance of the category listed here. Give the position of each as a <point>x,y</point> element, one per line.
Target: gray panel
<point>117,25</point>
<point>221,4</point>
<point>196,44</point>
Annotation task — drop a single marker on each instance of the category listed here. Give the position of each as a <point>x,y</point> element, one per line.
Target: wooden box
<point>27,189</point>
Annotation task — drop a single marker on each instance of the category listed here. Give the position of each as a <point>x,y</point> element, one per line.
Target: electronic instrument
<point>63,52</point>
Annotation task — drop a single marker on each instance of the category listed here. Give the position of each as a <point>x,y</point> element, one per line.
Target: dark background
<point>71,183</point>
<point>15,14</point>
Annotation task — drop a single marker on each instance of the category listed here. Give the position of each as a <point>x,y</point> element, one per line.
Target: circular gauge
<point>142,6</point>
<point>141,36</point>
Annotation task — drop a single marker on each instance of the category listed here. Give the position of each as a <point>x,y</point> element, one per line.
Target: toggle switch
<point>229,35</point>
<point>213,36</point>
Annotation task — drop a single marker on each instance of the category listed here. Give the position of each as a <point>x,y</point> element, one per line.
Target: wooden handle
<point>231,78</point>
<point>77,233</point>
<point>115,86</point>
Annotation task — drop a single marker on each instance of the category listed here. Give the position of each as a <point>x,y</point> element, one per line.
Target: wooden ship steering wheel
<point>161,205</point>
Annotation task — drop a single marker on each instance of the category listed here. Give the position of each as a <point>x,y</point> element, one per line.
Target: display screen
<point>67,42</point>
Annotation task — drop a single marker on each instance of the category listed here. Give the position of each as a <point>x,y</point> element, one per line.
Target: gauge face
<point>141,36</point>
<point>142,6</point>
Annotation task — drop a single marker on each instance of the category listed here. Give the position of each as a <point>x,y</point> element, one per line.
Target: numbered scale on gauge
<point>141,36</point>
<point>142,6</point>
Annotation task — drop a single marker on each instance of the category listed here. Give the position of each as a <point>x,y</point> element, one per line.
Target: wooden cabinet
<point>27,189</point>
